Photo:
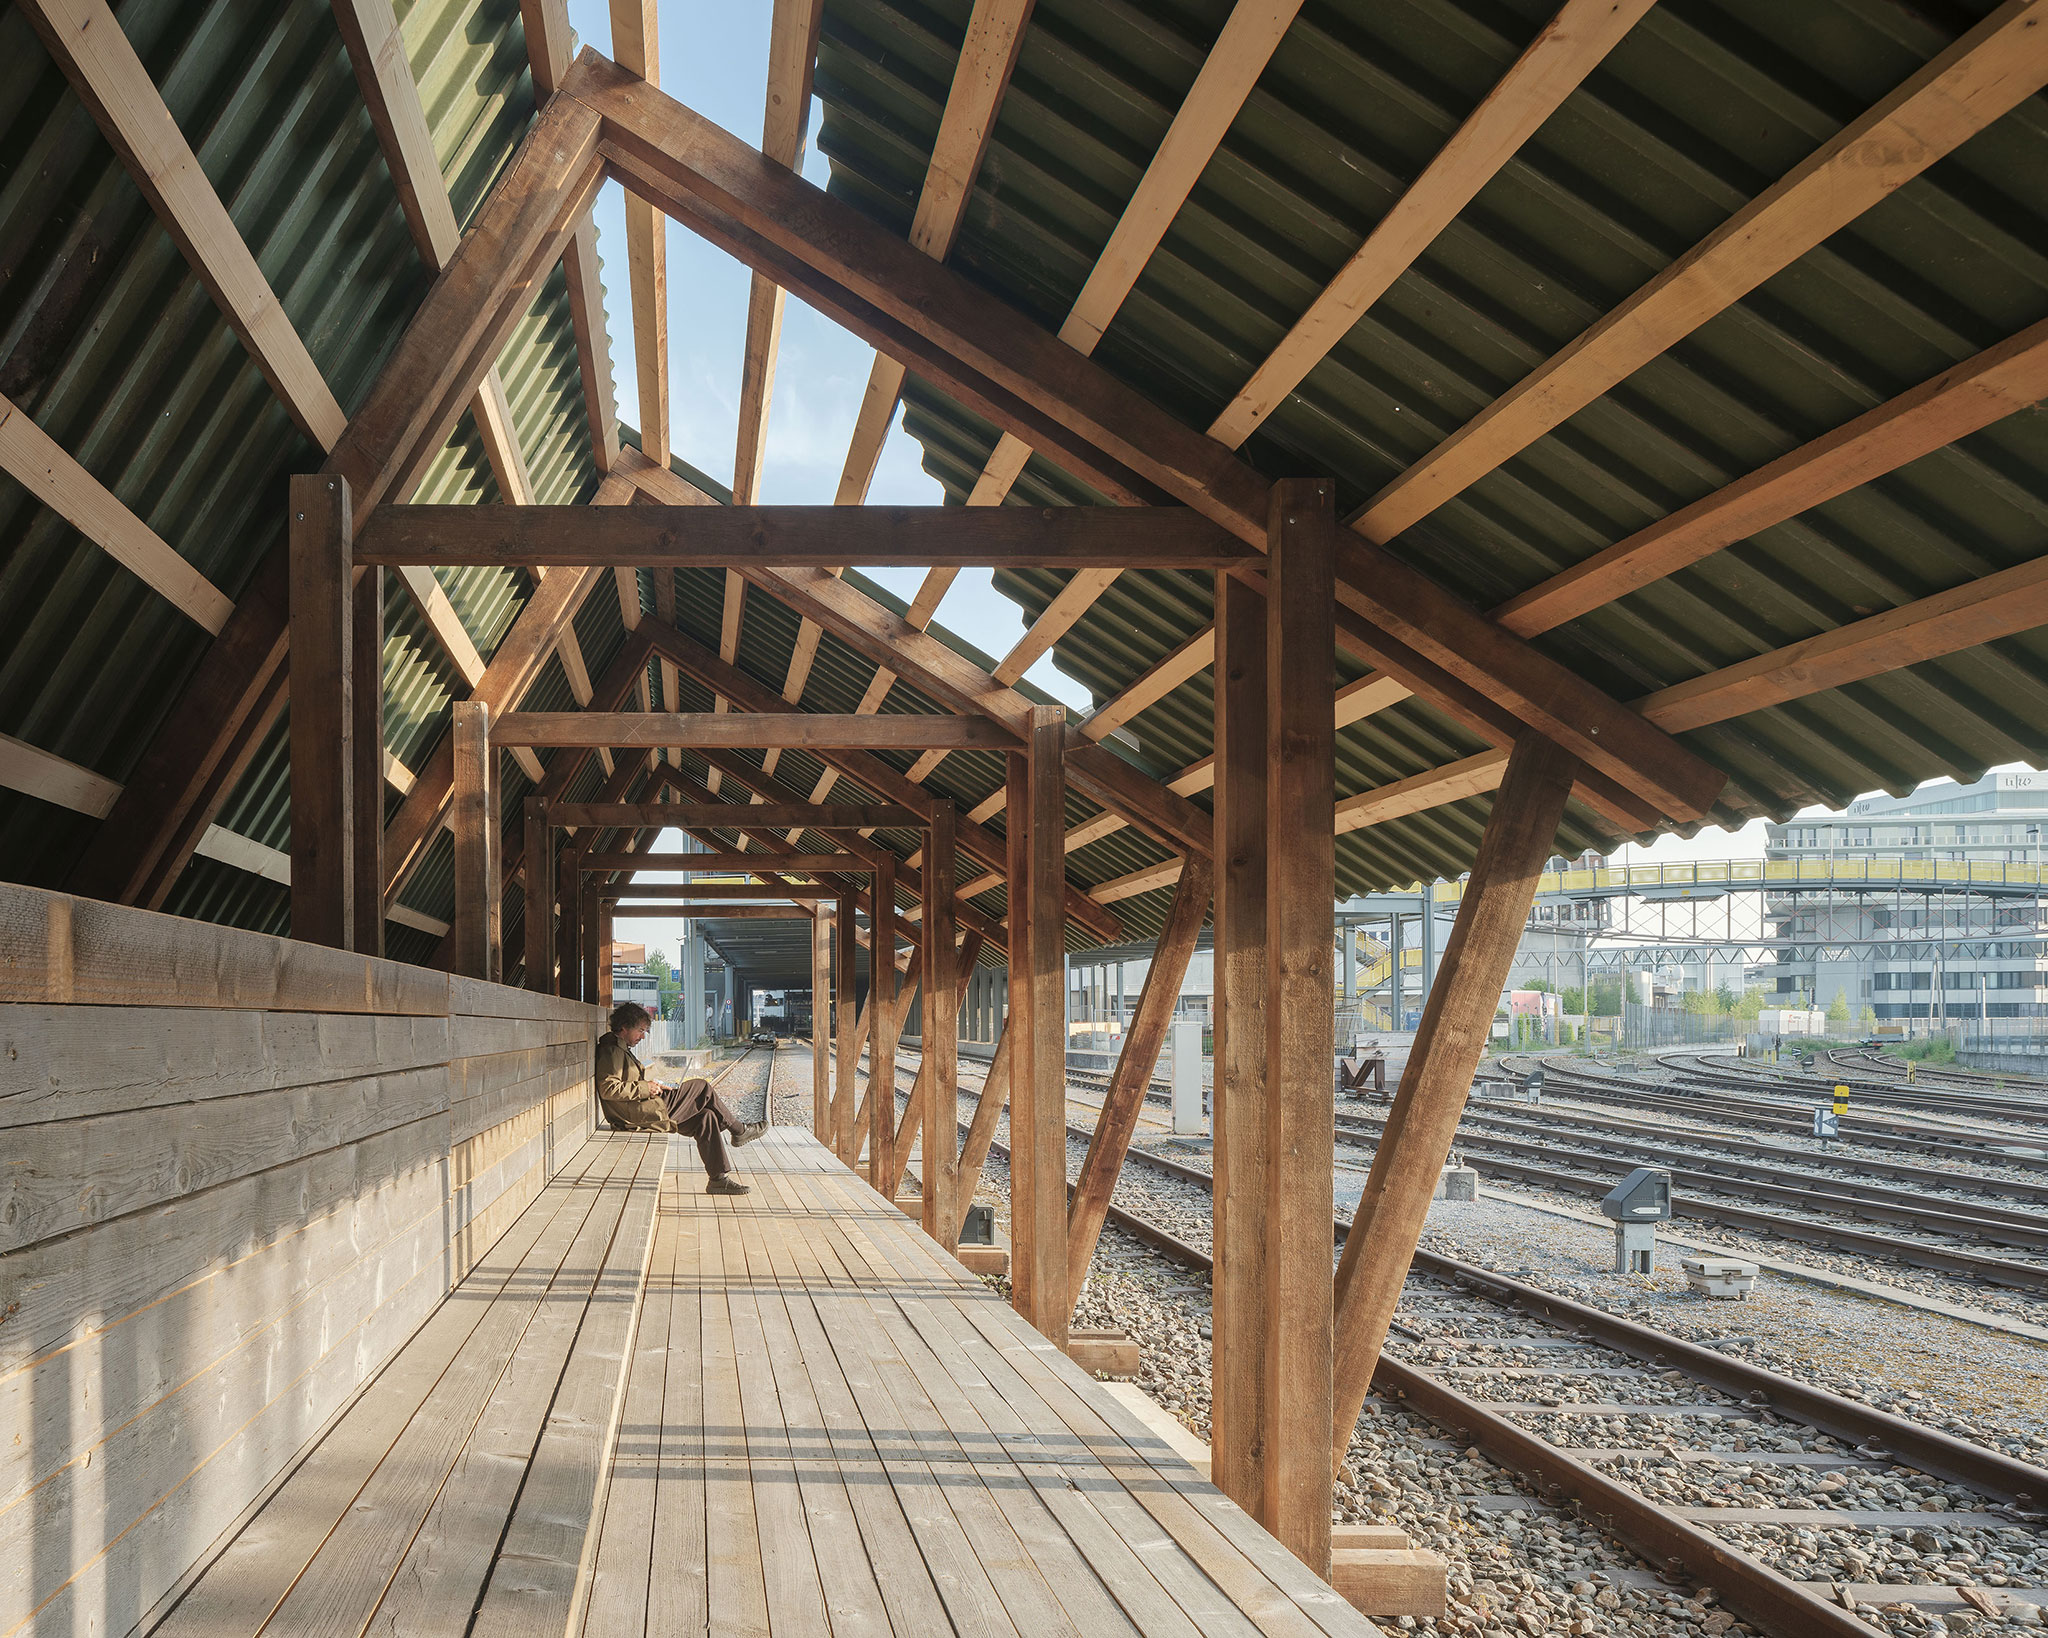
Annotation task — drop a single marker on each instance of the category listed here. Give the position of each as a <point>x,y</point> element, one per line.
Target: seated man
<point>631,1100</point>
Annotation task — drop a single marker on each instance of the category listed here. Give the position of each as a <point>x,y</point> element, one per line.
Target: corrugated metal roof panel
<point>111,345</point>
<point>1703,106</point>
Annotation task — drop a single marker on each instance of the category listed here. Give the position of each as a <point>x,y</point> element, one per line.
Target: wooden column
<point>821,1025</point>
<point>882,1030</point>
<point>540,898</point>
<point>911,1127</point>
<point>569,927</point>
<point>594,948</point>
<point>1456,1021</point>
<point>939,1035</point>
<point>1038,1081</point>
<point>366,683</point>
<point>604,959</point>
<point>474,814</point>
<point>1301,889</point>
<point>981,1130</point>
<point>1237,1392</point>
<point>906,998</point>
<point>1133,1072</point>
<point>323,713</point>
<point>845,1094</point>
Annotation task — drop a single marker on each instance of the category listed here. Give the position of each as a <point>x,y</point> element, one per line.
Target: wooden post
<point>592,924</point>
<point>323,713</point>
<point>540,898</point>
<point>845,1095</point>
<point>604,957</point>
<point>1520,833</point>
<point>569,930</point>
<point>1133,1073</point>
<point>1301,889</point>
<point>981,1130</point>
<point>1237,1381</point>
<point>939,1035</point>
<point>906,998</point>
<point>366,682</point>
<point>475,817</point>
<point>911,1127</point>
<point>1038,1080</point>
<point>882,1031</point>
<point>821,1024</point>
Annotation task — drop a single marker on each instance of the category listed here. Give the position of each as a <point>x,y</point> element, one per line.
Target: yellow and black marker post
<point>1841,1100</point>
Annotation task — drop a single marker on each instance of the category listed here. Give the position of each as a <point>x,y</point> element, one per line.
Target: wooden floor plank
<point>243,1588</point>
<point>678,1581</point>
<point>436,1585</point>
<point>616,1602</point>
<point>737,1590</point>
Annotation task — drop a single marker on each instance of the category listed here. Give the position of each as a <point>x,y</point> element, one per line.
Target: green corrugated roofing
<point>1703,105</point>
<point>116,350</point>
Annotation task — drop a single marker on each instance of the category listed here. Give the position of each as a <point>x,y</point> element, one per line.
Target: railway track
<point>1739,1075</point>
<point>1678,1541</point>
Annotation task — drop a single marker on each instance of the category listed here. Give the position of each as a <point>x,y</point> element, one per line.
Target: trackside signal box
<point>1637,1204</point>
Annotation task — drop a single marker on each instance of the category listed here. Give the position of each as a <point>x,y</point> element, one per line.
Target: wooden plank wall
<point>236,1173</point>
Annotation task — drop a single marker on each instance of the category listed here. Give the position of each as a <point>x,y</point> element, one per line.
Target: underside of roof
<point>119,353</point>
<point>1703,105</point>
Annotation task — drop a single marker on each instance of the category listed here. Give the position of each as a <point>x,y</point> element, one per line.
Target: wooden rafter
<point>811,730</point>
<point>1961,400</point>
<point>34,460</point>
<point>792,48</point>
<point>1990,70</point>
<point>636,47</point>
<point>1246,44</point>
<point>1570,47</point>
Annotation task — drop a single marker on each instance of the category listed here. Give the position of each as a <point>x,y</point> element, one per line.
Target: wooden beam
<point>1990,70</point>
<point>1571,45</point>
<point>939,1038</point>
<point>1185,663</point>
<point>988,1109</point>
<point>1238,1383</point>
<point>631,910</point>
<point>706,890</point>
<point>881,1124</point>
<point>86,40</point>
<point>792,48</point>
<point>868,771</point>
<point>799,864</point>
<point>1133,1072</point>
<point>1456,1023</point>
<point>809,730</point>
<point>1301,885</point>
<point>1979,611</point>
<point>475,933</point>
<point>596,950</point>
<point>323,714</point>
<point>1106,433</point>
<point>830,816</point>
<point>821,1025</point>
<point>540,896</point>
<point>1038,1082</point>
<point>988,53</point>
<point>33,459</point>
<point>636,48</point>
<point>1960,400</point>
<point>845,1095</point>
<point>801,537</point>
<point>366,739</point>
<point>218,724</point>
<point>1469,776</point>
<point>569,926</point>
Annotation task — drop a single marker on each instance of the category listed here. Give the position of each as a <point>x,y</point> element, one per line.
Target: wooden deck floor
<point>652,1410</point>
<point>830,1426</point>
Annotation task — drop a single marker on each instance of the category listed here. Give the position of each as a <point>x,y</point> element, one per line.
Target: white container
<point>1725,1277</point>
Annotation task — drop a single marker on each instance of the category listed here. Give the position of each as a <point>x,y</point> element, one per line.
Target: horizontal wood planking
<point>822,537</point>
<point>241,1173</point>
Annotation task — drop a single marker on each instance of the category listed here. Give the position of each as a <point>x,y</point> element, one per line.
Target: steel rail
<point>1876,1204</point>
<point>1676,1545</point>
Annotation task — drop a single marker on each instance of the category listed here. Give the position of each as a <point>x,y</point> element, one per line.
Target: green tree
<point>1749,1004</point>
<point>1574,1002</point>
<point>668,988</point>
<point>1838,1009</point>
<point>1868,1021</point>
<point>1700,1003</point>
<point>1724,997</point>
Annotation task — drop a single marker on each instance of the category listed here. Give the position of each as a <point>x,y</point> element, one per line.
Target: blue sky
<point>714,58</point>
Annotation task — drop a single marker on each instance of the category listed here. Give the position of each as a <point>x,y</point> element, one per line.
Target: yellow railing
<point>1766,873</point>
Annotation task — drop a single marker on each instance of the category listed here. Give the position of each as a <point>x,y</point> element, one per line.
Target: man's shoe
<point>726,1185</point>
<point>746,1134</point>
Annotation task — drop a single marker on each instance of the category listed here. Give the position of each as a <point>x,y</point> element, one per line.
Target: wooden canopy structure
<point>1603,468</point>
